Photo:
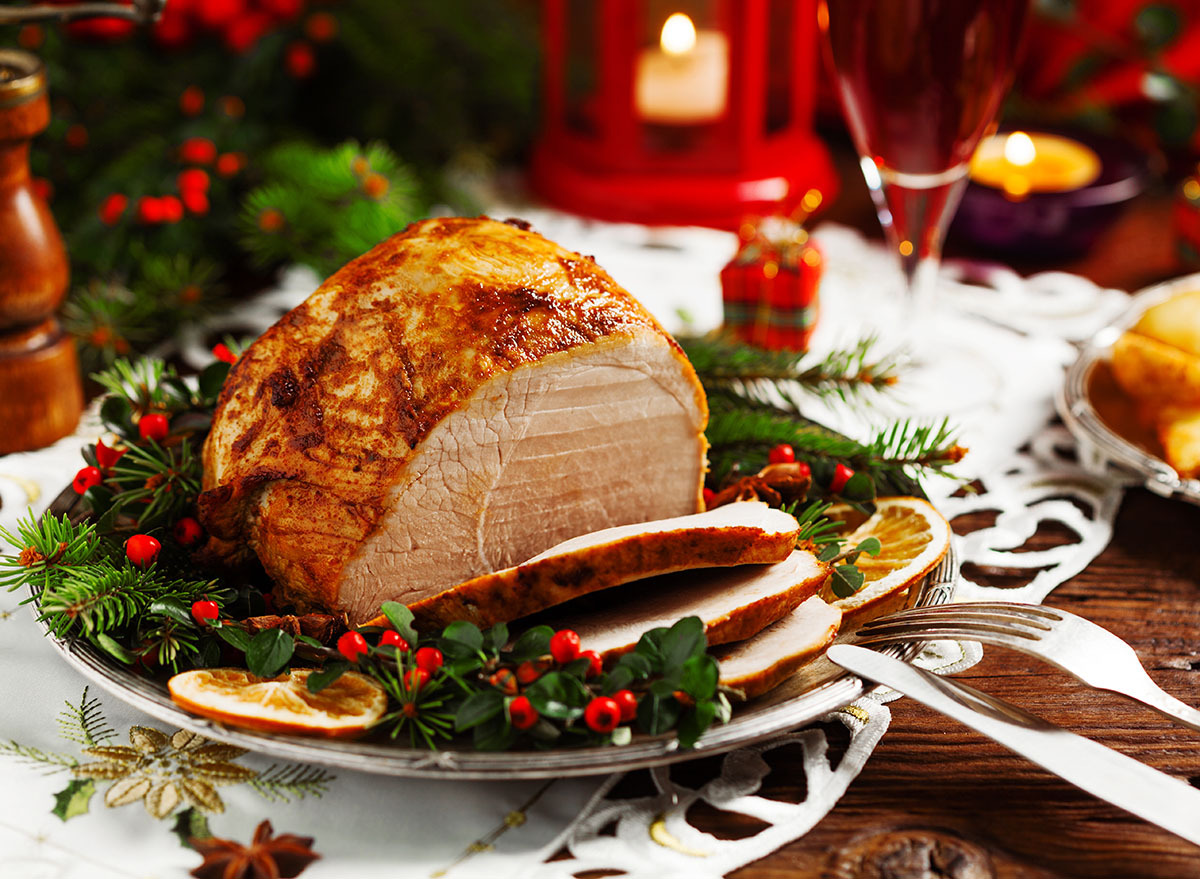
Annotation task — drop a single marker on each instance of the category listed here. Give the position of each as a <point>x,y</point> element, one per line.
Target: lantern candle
<point>1021,163</point>
<point>683,80</point>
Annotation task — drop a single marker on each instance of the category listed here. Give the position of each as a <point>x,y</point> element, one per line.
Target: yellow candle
<point>683,80</point>
<point>1021,163</point>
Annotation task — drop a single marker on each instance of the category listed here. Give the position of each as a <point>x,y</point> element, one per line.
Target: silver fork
<point>1081,648</point>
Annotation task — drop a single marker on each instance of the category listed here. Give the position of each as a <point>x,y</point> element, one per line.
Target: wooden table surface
<point>938,800</point>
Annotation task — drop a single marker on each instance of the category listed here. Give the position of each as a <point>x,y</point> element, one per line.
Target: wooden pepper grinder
<point>40,391</point>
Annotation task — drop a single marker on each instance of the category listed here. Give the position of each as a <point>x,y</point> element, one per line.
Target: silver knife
<point>1147,793</point>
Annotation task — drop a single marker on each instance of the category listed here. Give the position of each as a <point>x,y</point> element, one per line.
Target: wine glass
<point>920,83</point>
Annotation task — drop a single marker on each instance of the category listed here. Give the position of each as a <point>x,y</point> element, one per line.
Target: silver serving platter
<point>817,689</point>
<point>1102,450</point>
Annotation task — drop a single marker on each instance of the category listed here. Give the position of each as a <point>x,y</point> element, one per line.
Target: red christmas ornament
<point>770,287</point>
<point>352,645</point>
<point>197,151</point>
<point>86,478</point>
<point>300,60</point>
<point>192,180</point>
<point>187,531</point>
<point>142,550</point>
<point>112,208</point>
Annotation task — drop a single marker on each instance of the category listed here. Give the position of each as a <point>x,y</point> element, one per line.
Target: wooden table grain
<point>939,801</point>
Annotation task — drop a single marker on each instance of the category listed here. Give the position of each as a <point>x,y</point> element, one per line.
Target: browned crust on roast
<point>516,592</point>
<point>323,411</point>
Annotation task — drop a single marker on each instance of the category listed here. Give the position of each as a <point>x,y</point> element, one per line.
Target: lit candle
<point>1021,163</point>
<point>683,80</point>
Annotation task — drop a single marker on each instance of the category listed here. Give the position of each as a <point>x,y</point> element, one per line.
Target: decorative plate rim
<point>394,760</point>
<point>1101,449</point>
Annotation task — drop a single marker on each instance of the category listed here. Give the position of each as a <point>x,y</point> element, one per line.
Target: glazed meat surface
<point>459,399</point>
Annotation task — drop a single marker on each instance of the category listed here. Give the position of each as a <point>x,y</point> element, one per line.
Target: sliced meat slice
<point>733,603</point>
<point>773,655</point>
<point>736,534</point>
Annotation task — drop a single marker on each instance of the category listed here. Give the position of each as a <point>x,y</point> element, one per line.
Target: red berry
<point>172,29</point>
<point>803,470</point>
<point>196,202</point>
<point>187,531</point>
<point>392,638</point>
<point>429,659</point>
<point>229,164</point>
<point>627,702</point>
<point>216,14</point>
<point>505,681</point>
<point>242,33</point>
<point>416,678</point>
<point>602,714</point>
<point>191,102</point>
<point>205,611</point>
<point>841,475</point>
<point>150,210</point>
<point>595,666</point>
<point>153,426</point>
<point>198,151</point>
<point>352,645</point>
<point>781,454</point>
<point>192,180</point>
<point>564,646</point>
<point>86,478</point>
<point>221,352</point>
<point>282,9</point>
<point>709,496</point>
<point>42,188</point>
<point>321,27</point>
<point>528,671</point>
<point>112,208</point>
<point>299,60</point>
<point>142,550</point>
<point>107,457</point>
<point>172,209</point>
<point>522,713</point>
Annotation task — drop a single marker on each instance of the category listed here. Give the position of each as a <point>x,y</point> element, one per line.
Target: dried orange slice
<point>347,707</point>
<point>914,536</point>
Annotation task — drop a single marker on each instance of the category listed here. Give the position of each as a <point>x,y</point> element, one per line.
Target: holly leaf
<point>211,380</point>
<point>682,641</point>
<point>74,800</point>
<point>269,652</point>
<point>871,546</point>
<point>657,713</point>
<point>699,677</point>
<point>498,636</point>
<point>401,619</point>
<point>695,722</point>
<point>190,824</point>
<point>859,487</point>
<point>173,608</point>
<point>112,647</point>
<point>465,633</point>
<point>846,580</point>
<point>479,707</point>
<point>1157,24</point>
<point>533,643</point>
<point>236,638</point>
<point>558,695</point>
<point>319,680</point>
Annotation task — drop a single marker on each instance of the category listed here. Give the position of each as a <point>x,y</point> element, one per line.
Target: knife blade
<point>1154,796</point>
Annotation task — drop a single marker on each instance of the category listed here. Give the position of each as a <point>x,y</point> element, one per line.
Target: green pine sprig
<point>44,549</point>
<point>84,724</point>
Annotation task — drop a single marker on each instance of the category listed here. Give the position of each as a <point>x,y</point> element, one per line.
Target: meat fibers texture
<point>457,400</point>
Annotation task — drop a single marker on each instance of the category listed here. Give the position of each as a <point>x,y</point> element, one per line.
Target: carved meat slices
<point>770,657</point>
<point>735,534</point>
<point>459,399</point>
<point>733,603</point>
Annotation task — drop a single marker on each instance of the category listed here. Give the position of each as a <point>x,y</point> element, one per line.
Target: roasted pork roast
<point>454,402</point>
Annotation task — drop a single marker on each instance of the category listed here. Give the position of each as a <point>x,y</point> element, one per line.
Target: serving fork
<point>1089,652</point>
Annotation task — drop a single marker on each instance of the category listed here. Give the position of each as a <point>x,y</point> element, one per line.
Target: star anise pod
<point>774,485</point>
<point>266,857</point>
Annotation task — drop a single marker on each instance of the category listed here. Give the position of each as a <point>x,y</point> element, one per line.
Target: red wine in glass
<point>920,83</point>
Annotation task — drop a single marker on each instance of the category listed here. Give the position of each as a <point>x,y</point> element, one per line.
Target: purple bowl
<point>1052,225</point>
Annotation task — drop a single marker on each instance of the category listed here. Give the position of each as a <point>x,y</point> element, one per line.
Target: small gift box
<point>769,289</point>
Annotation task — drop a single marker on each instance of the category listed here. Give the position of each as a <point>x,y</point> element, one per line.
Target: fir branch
<point>756,374</point>
<point>45,548</point>
<point>97,598</point>
<point>162,481</point>
<point>26,754</point>
<point>816,531</point>
<point>84,724</point>
<point>291,781</point>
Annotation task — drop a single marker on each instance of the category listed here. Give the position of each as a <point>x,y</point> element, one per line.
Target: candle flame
<point>1019,149</point>
<point>678,34</point>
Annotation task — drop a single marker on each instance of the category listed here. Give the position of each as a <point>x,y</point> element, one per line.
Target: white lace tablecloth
<point>1013,337</point>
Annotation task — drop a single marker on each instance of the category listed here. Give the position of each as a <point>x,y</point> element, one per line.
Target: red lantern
<point>680,112</point>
